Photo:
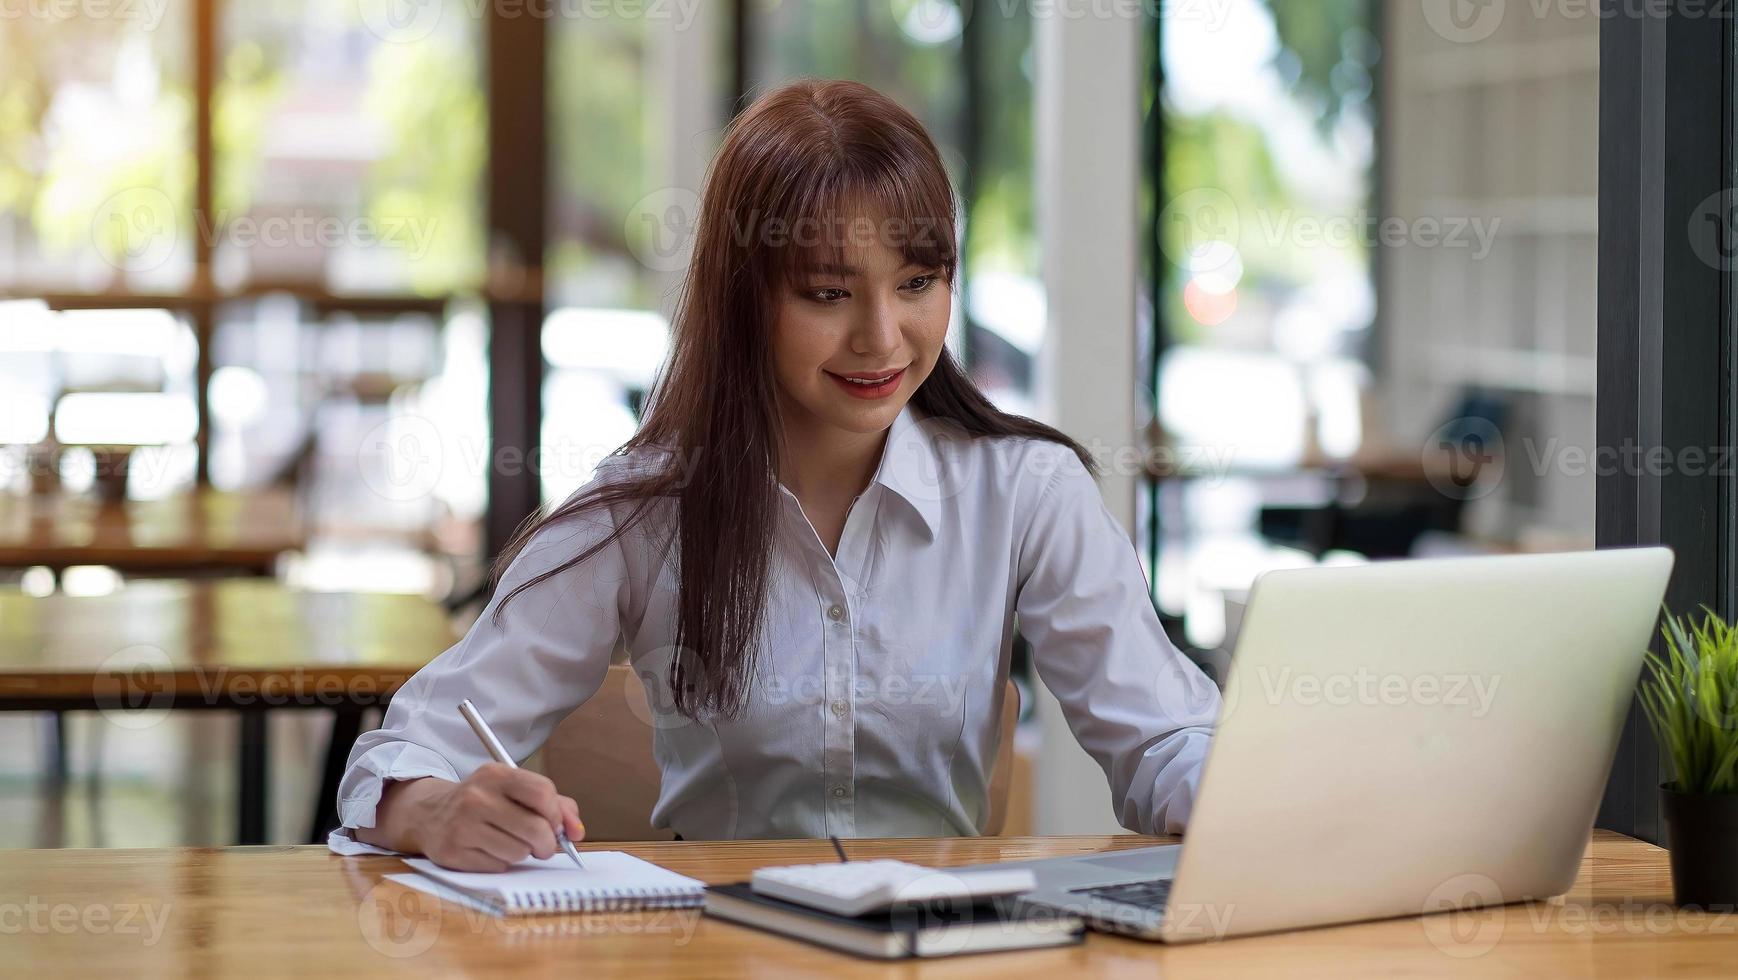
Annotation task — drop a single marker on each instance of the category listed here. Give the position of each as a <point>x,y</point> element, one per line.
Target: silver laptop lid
<point>1400,734</point>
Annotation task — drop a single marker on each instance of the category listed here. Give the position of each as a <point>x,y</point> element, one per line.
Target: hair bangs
<point>839,212</point>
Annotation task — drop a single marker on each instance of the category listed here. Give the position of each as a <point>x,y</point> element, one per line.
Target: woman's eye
<point>920,283</point>
<point>830,294</point>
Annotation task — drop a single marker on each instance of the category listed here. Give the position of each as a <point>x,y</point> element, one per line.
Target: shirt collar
<point>911,467</point>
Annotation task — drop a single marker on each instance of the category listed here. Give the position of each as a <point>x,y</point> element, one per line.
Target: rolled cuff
<point>366,779</point>
<point>1170,799</point>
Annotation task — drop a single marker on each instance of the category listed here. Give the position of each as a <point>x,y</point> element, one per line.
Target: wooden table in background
<point>202,532</point>
<point>249,645</point>
<point>303,911</point>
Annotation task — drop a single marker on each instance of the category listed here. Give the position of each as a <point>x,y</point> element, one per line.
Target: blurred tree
<point>251,83</point>
<point>428,101</point>
<point>1327,52</point>
<point>1004,234</point>
<point>601,158</point>
<point>90,108</point>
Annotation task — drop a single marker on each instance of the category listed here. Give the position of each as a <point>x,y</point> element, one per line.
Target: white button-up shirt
<point>876,705</point>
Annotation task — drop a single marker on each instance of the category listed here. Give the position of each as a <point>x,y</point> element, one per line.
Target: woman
<point>832,526</point>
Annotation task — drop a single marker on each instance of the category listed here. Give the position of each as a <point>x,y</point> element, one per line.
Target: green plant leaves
<point>1690,697</point>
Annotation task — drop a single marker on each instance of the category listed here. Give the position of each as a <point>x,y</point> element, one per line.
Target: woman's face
<point>878,320</point>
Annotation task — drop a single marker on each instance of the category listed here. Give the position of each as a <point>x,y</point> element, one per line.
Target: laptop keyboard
<point>1149,895</point>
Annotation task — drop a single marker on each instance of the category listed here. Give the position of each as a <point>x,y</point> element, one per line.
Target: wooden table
<point>247,645</point>
<point>206,531</point>
<point>303,911</point>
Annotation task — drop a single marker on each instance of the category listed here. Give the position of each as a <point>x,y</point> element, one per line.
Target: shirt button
<point>839,707</point>
<point>835,612</point>
<point>838,792</point>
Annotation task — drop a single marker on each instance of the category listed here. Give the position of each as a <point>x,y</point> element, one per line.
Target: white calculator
<point>859,887</point>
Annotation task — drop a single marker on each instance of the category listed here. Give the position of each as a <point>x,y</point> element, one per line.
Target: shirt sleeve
<point>548,653</point>
<point>1139,707</point>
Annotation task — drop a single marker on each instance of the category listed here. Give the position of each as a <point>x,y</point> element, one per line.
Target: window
<point>256,269</point>
<point>96,136</point>
<point>1262,294</point>
<point>965,70</point>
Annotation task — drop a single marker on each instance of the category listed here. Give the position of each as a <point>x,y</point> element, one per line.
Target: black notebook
<point>941,930</point>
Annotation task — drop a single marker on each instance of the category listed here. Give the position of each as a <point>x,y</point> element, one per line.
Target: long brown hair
<point>790,164</point>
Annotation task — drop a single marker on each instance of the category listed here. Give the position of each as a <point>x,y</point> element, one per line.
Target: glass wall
<point>1265,300</point>
<point>965,70</point>
<point>615,231</point>
<point>1299,419</point>
<point>342,223</point>
<point>96,162</point>
<point>349,147</point>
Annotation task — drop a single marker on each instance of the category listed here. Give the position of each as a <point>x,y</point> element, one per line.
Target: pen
<point>499,754</point>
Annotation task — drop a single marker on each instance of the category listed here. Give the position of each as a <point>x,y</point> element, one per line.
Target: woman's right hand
<point>493,819</point>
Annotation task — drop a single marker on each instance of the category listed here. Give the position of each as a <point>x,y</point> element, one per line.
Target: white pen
<point>499,754</point>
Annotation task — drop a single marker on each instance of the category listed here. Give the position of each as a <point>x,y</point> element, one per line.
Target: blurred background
<point>306,304</point>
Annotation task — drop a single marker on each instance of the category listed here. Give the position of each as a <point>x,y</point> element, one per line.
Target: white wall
<point>1088,131</point>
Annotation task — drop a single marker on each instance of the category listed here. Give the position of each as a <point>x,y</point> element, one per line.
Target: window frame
<point>1666,365</point>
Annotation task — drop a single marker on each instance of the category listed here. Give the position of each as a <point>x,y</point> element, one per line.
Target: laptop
<point>1396,738</point>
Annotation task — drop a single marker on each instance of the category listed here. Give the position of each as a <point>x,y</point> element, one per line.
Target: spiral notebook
<point>612,881</point>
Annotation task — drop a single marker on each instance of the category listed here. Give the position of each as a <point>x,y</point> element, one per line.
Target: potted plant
<point>1690,696</point>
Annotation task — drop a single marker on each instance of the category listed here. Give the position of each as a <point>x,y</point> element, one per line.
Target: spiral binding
<point>603,900</point>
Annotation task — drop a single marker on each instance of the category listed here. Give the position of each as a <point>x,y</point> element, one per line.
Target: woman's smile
<point>868,385</point>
